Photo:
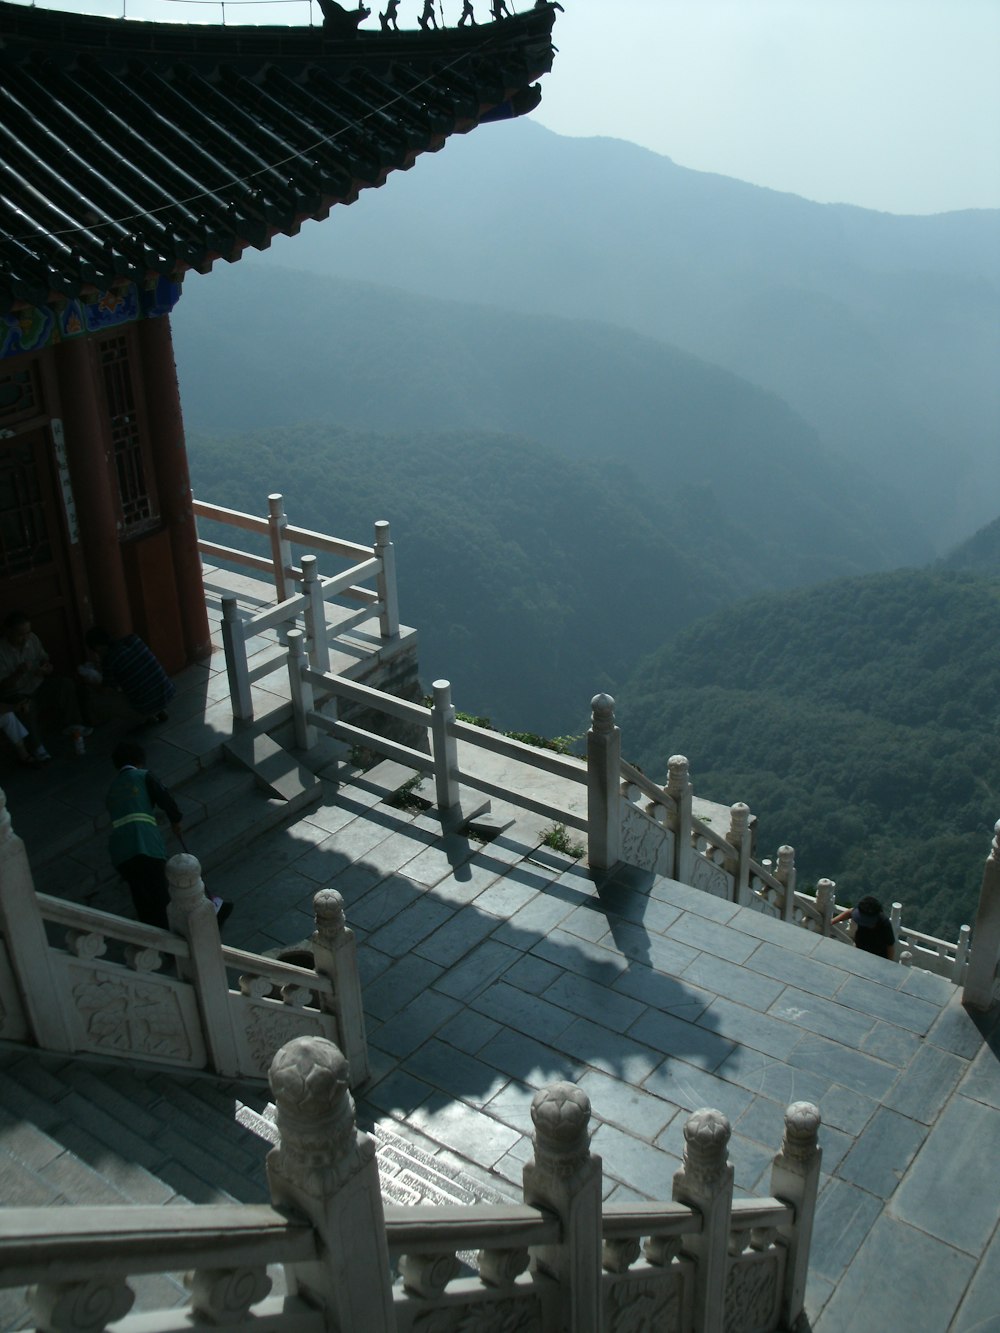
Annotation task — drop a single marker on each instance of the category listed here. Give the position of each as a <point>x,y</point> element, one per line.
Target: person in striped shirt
<point>128,665</point>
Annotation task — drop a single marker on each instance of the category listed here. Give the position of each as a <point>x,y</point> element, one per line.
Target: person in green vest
<point>136,844</point>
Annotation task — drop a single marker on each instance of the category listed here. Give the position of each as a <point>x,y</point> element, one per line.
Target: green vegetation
<point>521,604</point>
<point>859,720</point>
<point>558,838</point>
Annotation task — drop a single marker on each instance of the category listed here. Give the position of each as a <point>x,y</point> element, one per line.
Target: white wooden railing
<point>696,1264</point>
<point>314,698</point>
<point>77,980</point>
<point>369,565</point>
<point>629,816</point>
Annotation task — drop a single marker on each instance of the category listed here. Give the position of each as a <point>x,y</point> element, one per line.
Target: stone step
<point>224,809</point>
<point>274,769</point>
<point>79,1132</point>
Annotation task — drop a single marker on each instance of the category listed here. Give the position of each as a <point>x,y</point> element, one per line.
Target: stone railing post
<point>301,691</point>
<point>826,901</point>
<point>235,648</point>
<point>795,1180</point>
<point>324,1169</point>
<point>23,931</point>
<point>679,787</point>
<point>385,583</point>
<point>961,955</point>
<point>564,1177</point>
<point>985,952</point>
<point>281,550</point>
<point>604,780</point>
<point>315,615</point>
<point>705,1182</point>
<point>444,747</point>
<point>784,873</point>
<point>335,957</point>
<point>738,838</point>
<point>191,914</point>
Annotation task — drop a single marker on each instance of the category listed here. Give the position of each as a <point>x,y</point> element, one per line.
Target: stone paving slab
<point>494,969</point>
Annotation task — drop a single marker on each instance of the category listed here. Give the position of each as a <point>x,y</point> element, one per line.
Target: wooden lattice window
<point>135,499</point>
<point>24,536</point>
<point>19,395</point>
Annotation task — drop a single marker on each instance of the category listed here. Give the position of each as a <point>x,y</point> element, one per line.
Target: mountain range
<point>882,332</point>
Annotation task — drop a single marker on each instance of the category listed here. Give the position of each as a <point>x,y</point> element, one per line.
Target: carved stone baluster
<point>428,1275</point>
<point>191,915</point>
<point>40,982</point>
<point>662,1250</point>
<point>826,899</point>
<point>225,1295</point>
<point>784,873</point>
<point>499,1268</point>
<point>795,1180</point>
<point>565,1178</point>
<point>679,787</point>
<point>737,863</point>
<point>604,814</point>
<point>705,1182</point>
<point>86,943</point>
<point>324,1169</point>
<point>335,957</point>
<point>256,987</point>
<point>140,959</point>
<point>620,1255</point>
<point>80,1307</point>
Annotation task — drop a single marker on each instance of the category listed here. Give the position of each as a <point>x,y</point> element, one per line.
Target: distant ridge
<point>883,332</point>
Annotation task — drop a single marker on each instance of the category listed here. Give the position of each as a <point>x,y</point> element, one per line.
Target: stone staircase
<point>252,786</point>
<point>76,1131</point>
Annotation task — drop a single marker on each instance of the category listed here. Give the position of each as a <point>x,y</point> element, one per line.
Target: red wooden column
<point>88,453</point>
<point>173,482</point>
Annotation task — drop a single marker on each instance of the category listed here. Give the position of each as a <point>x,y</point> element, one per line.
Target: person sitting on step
<point>28,681</point>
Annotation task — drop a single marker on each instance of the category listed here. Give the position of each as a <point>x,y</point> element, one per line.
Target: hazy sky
<point>890,104</point>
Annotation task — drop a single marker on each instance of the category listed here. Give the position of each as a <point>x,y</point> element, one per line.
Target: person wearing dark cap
<point>873,930</point>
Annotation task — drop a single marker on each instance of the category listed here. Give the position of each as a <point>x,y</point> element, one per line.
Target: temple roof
<point>132,151</point>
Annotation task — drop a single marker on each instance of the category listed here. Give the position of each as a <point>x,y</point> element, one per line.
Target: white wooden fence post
<point>738,838</point>
<point>784,873</point>
<point>604,782</point>
<point>388,596</point>
<point>335,957</point>
<point>281,550</point>
<point>315,616</point>
<point>191,914</point>
<point>324,1168</point>
<point>234,644</point>
<point>705,1182</point>
<point>301,691</point>
<point>795,1180</point>
<point>23,930</point>
<point>679,787</point>
<point>564,1177</point>
<point>445,746</point>
<point>985,951</point>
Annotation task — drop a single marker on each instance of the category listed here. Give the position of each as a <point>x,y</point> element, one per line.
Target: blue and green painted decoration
<point>34,327</point>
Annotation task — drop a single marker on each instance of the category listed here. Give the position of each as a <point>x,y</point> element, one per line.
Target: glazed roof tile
<point>132,151</point>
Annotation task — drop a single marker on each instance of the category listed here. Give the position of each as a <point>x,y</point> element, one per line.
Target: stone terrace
<point>493,968</point>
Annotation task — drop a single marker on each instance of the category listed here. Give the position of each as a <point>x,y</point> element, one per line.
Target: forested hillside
<point>980,554</point>
<point>723,456</point>
<point>860,722</point>
<point>532,582</point>
<point>883,332</point>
